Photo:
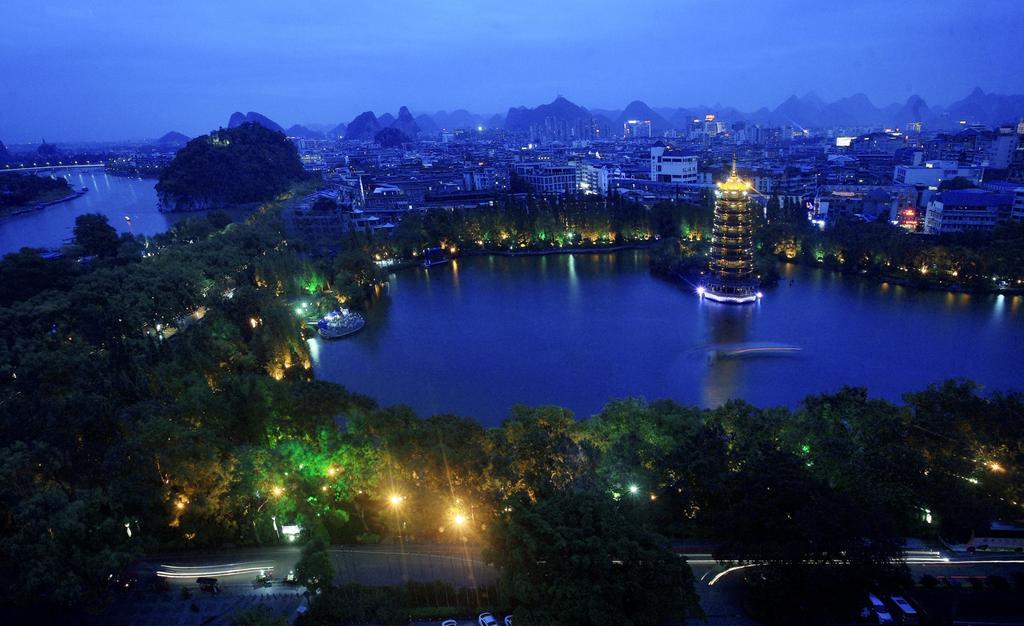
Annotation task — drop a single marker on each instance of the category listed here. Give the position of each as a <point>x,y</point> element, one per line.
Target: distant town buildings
<point>966,210</point>
<point>931,173</point>
<point>928,181</point>
<point>548,177</point>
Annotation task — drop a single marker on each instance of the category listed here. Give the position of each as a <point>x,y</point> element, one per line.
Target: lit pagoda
<point>731,276</point>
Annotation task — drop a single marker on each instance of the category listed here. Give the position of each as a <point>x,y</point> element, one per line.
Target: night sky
<point>102,69</point>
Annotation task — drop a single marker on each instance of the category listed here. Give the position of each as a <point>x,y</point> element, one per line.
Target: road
<point>236,569</point>
<point>718,585</point>
<point>464,565</point>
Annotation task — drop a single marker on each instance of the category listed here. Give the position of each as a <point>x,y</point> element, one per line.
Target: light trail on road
<point>211,571</point>
<point>926,559</point>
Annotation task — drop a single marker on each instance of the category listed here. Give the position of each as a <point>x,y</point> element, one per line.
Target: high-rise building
<point>731,278</point>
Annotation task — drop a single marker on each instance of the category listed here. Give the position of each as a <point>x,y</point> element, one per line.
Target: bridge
<point>49,167</point>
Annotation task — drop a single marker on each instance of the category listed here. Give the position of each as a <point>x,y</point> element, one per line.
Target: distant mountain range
<point>172,139</point>
<point>237,119</point>
<point>807,111</point>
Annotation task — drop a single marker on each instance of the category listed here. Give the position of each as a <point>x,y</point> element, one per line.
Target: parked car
<point>290,578</point>
<point>449,622</point>
<point>265,578</point>
<point>486,619</point>
<point>879,610</point>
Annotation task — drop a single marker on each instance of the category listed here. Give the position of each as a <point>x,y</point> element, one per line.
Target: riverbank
<point>915,283</point>
<point>38,206</point>
<point>413,263</point>
<point>561,250</point>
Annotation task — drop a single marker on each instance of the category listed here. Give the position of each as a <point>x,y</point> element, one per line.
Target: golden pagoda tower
<point>731,277</point>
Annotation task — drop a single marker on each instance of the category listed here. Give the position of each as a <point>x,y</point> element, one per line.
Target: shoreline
<point>910,283</point>
<point>411,263</point>
<point>23,210</point>
<point>906,283</point>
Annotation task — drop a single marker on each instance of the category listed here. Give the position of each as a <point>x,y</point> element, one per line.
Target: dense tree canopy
<point>242,165</point>
<point>578,557</point>
<point>18,190</point>
<point>161,397</point>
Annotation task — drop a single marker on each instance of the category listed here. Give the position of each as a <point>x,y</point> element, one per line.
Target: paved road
<point>718,586</point>
<point>375,565</point>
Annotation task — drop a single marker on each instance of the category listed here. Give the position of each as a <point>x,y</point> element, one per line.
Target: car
<point>449,622</point>
<point>486,619</point>
<point>290,578</point>
<point>265,579</point>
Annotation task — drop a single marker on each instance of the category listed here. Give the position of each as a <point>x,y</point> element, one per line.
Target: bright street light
<point>633,489</point>
<point>459,519</point>
<point>395,500</point>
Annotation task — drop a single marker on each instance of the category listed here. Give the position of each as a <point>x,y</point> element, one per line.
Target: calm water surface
<point>480,334</point>
<point>114,196</point>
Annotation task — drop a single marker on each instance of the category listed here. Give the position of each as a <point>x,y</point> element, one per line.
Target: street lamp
<point>395,500</point>
<point>633,489</point>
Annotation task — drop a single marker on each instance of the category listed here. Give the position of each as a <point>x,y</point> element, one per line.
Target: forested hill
<point>229,167</point>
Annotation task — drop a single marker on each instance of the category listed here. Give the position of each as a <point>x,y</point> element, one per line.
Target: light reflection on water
<point>113,196</point>
<point>577,330</point>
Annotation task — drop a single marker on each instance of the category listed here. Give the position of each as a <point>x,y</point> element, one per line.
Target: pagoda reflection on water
<point>731,277</point>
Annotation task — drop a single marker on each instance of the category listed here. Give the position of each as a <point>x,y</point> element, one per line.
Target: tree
<point>575,557</point>
<point>356,605</point>
<point>314,570</point>
<point>245,164</point>
<point>95,234</point>
<point>257,616</point>
<point>817,550</point>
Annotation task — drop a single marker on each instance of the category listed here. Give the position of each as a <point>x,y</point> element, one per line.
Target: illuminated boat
<point>750,350</point>
<point>434,256</point>
<point>338,324</point>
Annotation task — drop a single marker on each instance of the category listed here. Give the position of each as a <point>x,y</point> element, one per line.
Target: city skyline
<point>325,64</point>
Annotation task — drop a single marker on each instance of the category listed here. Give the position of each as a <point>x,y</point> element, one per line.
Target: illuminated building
<point>731,277</point>
<point>907,218</point>
<point>636,128</point>
<point>934,172</point>
<point>672,166</point>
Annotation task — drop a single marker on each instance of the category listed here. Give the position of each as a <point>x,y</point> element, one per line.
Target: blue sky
<point>104,69</point>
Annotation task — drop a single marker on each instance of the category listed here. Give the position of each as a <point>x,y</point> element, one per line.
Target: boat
<point>340,323</point>
<point>434,256</point>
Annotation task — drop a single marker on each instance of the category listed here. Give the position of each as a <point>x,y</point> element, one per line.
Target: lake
<point>480,334</point>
